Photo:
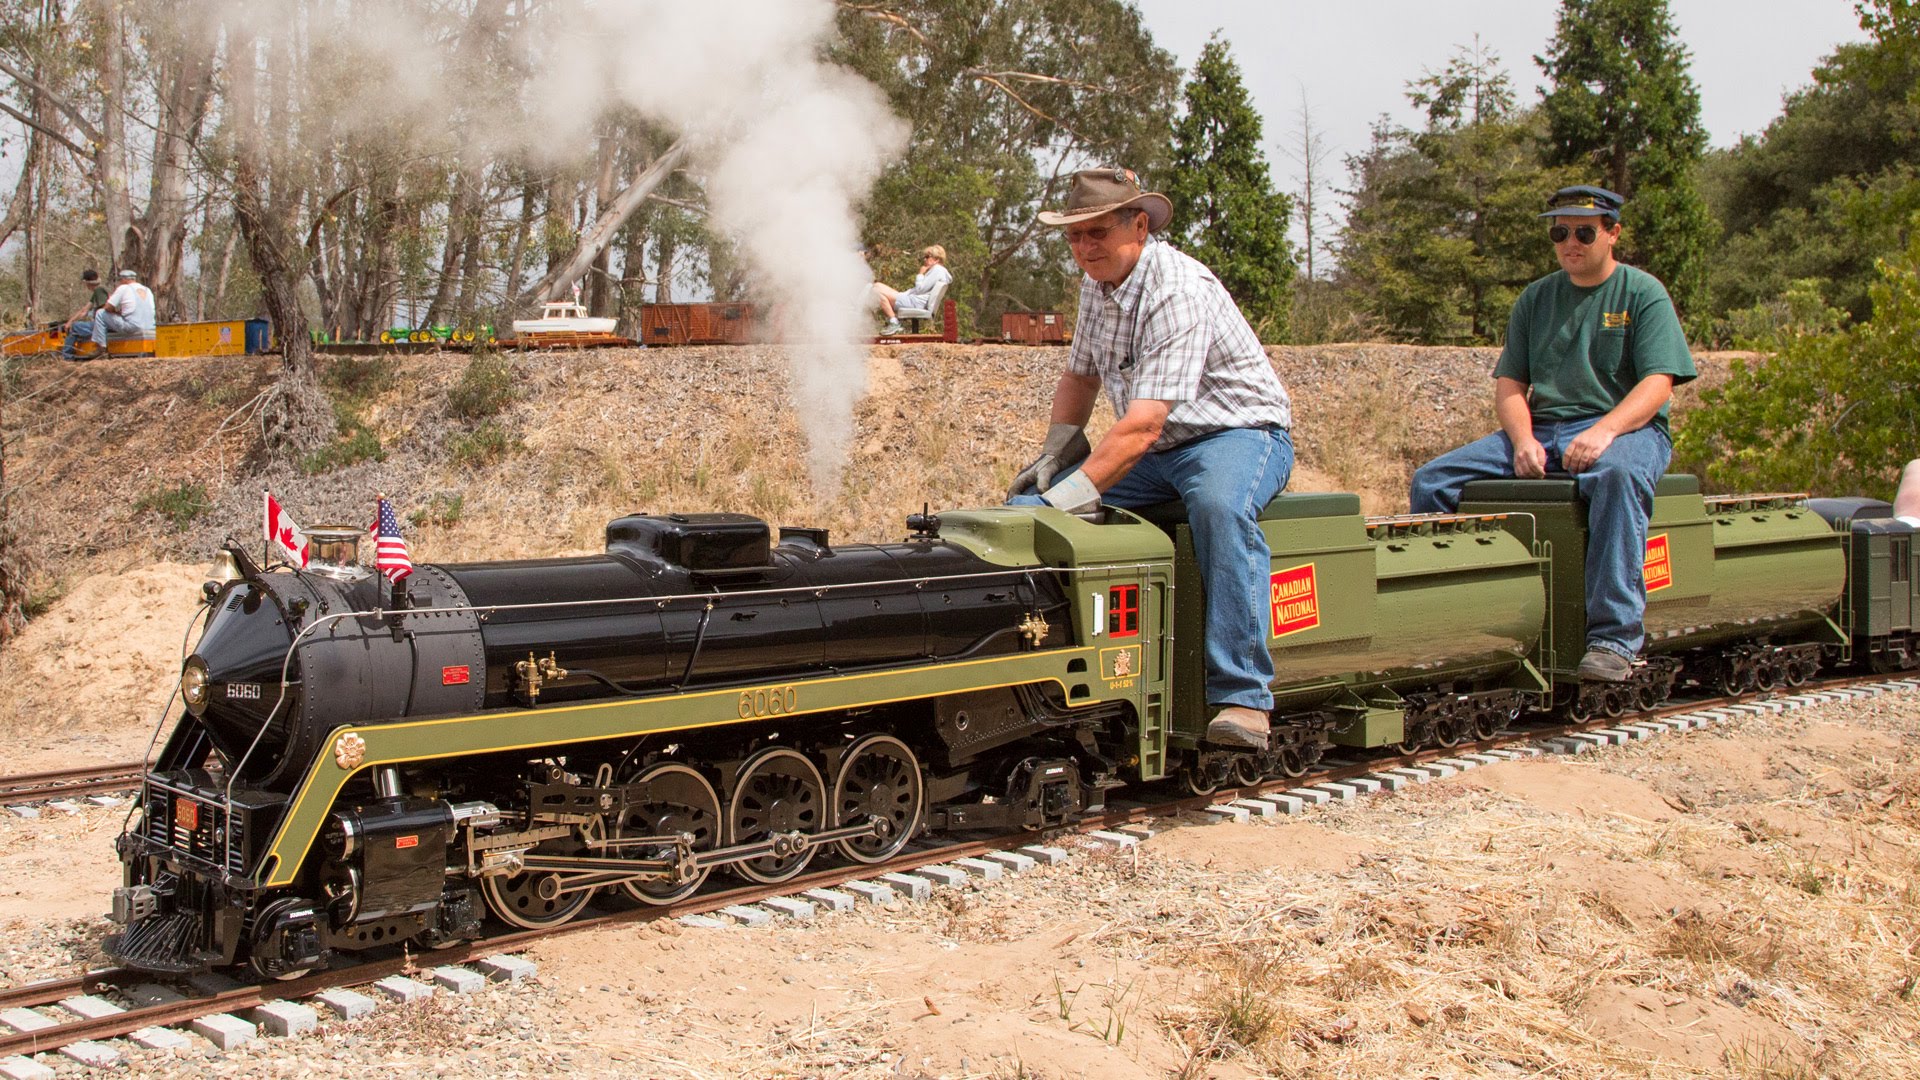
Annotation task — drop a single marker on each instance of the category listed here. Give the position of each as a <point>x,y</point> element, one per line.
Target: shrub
<point>1831,412</point>
<point>355,444</point>
<point>484,389</point>
<point>179,504</point>
<point>487,444</point>
<point>442,510</point>
<point>360,378</point>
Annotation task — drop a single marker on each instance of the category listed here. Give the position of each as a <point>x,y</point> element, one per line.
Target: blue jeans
<point>81,330</point>
<point>1618,490</point>
<point>111,322</point>
<point>1225,479</point>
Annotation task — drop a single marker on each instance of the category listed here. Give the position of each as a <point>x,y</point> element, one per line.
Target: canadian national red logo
<point>1296,600</point>
<point>1658,569</point>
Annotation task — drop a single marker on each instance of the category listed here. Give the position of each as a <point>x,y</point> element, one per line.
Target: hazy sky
<point>1354,57</point>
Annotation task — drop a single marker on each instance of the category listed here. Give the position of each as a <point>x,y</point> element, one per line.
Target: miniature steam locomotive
<point>358,765</point>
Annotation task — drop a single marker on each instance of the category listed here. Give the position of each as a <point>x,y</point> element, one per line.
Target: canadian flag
<point>283,535</point>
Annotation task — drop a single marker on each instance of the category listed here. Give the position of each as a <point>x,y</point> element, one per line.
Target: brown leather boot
<point>1239,727</point>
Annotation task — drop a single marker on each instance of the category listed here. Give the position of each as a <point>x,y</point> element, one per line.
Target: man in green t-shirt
<point>80,325</point>
<point>1592,355</point>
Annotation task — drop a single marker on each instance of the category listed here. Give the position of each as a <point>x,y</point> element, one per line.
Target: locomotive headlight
<point>193,686</point>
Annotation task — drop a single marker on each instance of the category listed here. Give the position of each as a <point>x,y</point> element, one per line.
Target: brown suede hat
<point>1100,191</point>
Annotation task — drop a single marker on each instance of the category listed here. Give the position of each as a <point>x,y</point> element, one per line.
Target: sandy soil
<point>1732,903</point>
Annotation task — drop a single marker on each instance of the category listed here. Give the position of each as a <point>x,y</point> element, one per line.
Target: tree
<point>1441,233</point>
<point>1623,106</point>
<point>1226,212</point>
<point>1008,98</point>
<point>1310,152</point>
<point>1828,188</point>
<point>1831,410</point>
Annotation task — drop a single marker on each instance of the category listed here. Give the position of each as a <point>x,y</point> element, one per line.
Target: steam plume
<point>788,144</point>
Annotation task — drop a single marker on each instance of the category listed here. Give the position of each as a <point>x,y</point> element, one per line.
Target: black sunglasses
<point>1583,233</point>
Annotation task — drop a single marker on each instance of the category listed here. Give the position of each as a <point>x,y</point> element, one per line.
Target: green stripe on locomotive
<point>1715,572</point>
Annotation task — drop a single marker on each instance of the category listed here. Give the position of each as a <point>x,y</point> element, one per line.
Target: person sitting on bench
<point>129,311</point>
<point>929,284</point>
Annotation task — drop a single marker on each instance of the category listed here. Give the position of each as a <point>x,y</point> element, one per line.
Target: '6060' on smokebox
<point>1033,328</point>
<point>699,324</point>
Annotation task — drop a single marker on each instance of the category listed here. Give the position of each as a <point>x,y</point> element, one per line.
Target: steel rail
<point>80,780</point>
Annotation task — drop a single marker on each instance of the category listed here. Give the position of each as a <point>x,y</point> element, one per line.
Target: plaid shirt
<point>1170,332</point>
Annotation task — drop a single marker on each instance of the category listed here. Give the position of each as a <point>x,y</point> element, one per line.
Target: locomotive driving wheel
<point>677,801</point>
<point>878,778</point>
<point>777,791</point>
<point>532,899</point>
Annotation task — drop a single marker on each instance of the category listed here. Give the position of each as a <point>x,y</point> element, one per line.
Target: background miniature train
<point>658,325</point>
<point>354,768</point>
<point>218,337</point>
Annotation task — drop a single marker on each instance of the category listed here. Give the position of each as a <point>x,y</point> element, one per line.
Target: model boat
<point>563,317</point>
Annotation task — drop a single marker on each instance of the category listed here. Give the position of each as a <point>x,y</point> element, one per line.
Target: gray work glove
<point>1074,493</point>
<point>1066,447</point>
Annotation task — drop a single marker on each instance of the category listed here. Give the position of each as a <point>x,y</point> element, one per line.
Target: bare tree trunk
<point>116,200</point>
<point>226,266</point>
<point>562,276</point>
<point>664,249</point>
<point>459,221</point>
<point>22,200</point>
<point>633,276</point>
<point>601,285</point>
<point>515,261</point>
<point>186,86</point>
<point>297,418</point>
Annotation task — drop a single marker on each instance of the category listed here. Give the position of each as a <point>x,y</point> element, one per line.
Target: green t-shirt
<point>99,298</point>
<point>1581,350</point>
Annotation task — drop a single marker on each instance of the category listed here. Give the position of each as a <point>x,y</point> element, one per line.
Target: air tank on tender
<point>1358,607</point>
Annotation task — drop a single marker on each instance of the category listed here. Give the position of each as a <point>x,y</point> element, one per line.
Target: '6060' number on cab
<point>768,701</point>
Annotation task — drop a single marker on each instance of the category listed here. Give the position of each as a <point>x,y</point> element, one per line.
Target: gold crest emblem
<point>349,751</point>
<point>1615,320</point>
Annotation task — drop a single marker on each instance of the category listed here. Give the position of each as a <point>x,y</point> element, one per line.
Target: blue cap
<point>1584,200</point>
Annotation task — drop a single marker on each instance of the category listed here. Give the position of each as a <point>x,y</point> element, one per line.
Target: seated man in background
<point>80,325</point>
<point>1592,355</point>
<point>932,276</point>
<point>128,310</point>
<point>1906,502</point>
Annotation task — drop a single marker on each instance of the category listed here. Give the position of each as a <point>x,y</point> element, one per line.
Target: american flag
<point>390,548</point>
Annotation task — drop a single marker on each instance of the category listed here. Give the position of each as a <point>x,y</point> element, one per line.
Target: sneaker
<point>1239,727</point>
<point>1605,665</point>
<point>892,328</point>
<point>76,357</point>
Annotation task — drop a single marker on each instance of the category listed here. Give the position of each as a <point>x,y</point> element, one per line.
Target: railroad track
<point>67,1032</point>
<point>66,783</point>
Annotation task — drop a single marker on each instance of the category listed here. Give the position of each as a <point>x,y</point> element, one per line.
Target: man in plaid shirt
<point>1202,418</point>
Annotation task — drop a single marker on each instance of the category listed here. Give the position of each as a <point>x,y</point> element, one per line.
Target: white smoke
<point>788,144</point>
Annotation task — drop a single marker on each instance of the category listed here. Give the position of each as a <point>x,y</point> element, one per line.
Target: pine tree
<point>1226,212</point>
<point>1441,232</point>
<point>1624,106</point>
